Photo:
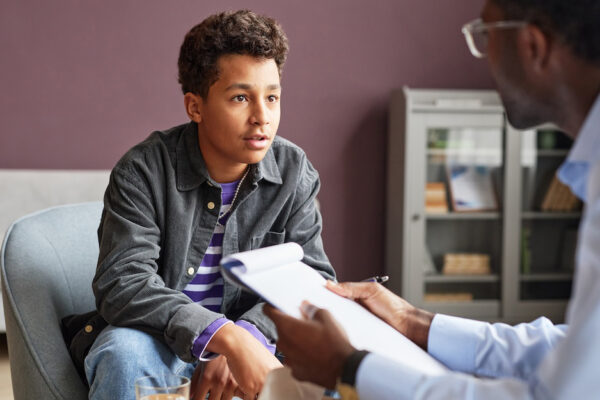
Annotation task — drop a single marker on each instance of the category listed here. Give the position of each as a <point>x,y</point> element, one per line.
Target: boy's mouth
<point>256,141</point>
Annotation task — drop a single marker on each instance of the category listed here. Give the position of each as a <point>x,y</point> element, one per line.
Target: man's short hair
<point>575,22</point>
<point>232,32</point>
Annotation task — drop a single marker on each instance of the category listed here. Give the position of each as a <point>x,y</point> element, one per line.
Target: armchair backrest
<point>48,261</point>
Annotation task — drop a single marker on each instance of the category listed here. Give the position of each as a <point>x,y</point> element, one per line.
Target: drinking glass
<point>162,387</point>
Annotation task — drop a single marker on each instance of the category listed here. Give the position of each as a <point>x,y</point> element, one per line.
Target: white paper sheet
<point>286,282</point>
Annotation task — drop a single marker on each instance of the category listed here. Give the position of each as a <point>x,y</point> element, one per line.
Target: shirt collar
<point>587,144</point>
<point>192,171</point>
<point>585,152</point>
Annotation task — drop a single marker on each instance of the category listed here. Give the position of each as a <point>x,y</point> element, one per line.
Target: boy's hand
<point>412,322</point>
<point>215,377</point>
<point>247,359</point>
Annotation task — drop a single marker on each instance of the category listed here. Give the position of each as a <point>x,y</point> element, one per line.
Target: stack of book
<point>559,197</point>
<point>435,198</point>
<point>448,297</point>
<point>466,264</point>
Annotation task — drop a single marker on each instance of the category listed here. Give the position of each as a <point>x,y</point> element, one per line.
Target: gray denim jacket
<point>156,226</point>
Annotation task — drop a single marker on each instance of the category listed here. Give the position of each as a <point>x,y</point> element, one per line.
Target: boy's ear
<point>193,106</point>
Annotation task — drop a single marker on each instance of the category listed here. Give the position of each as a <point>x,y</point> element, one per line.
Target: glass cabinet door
<point>464,180</point>
<point>550,216</point>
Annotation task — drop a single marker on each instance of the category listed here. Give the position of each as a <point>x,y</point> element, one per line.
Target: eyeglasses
<point>476,34</point>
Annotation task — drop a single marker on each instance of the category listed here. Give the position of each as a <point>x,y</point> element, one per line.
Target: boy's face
<point>238,119</point>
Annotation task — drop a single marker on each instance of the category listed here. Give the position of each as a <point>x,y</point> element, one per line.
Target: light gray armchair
<point>48,261</point>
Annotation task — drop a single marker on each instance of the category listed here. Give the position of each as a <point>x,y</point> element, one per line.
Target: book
<point>558,197</point>
<point>448,297</point>
<point>525,251</point>
<point>435,198</point>
<point>466,264</point>
<point>278,275</point>
<point>471,188</point>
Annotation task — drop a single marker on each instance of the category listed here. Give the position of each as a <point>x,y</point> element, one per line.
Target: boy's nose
<point>260,115</point>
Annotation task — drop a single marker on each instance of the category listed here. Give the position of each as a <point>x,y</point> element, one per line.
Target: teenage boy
<point>184,197</point>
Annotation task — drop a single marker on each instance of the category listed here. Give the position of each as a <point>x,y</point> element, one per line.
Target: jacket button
<point>88,328</point>
<point>191,271</point>
<point>210,205</point>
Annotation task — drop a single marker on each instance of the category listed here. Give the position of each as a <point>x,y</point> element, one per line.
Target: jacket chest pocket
<point>268,239</point>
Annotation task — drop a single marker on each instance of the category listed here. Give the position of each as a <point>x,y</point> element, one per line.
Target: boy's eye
<point>240,98</point>
<point>272,98</point>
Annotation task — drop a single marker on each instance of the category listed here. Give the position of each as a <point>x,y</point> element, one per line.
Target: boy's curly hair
<point>231,32</point>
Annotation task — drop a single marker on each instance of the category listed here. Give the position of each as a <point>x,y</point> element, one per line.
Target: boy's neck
<point>227,174</point>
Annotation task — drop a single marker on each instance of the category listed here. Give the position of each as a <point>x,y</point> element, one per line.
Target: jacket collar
<point>192,171</point>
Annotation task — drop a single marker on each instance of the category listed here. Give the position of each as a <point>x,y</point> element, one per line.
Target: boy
<point>184,197</point>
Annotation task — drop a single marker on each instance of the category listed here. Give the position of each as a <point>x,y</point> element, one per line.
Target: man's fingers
<point>273,313</point>
<point>308,310</point>
<point>353,290</point>
<point>315,313</point>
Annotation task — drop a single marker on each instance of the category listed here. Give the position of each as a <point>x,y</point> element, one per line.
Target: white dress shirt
<point>537,360</point>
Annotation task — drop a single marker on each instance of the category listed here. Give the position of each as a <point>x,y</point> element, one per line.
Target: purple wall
<point>83,81</point>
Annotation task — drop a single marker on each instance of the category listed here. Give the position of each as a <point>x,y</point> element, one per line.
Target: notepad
<point>278,275</point>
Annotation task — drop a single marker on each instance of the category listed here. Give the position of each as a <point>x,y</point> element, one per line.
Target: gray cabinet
<point>466,233</point>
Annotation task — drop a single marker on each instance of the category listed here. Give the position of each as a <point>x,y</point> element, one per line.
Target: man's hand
<point>315,347</point>
<point>412,322</point>
<point>214,377</point>
<point>247,359</point>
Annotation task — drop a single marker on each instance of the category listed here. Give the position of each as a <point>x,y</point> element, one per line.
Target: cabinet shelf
<point>463,151</point>
<point>439,278</point>
<point>550,215</point>
<point>466,216</point>
<point>550,277</point>
<point>553,153</point>
<point>479,309</point>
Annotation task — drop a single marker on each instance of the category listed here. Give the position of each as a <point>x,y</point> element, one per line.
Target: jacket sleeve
<point>128,288</point>
<point>304,227</point>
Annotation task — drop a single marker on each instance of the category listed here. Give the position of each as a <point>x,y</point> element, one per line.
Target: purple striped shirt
<point>206,288</point>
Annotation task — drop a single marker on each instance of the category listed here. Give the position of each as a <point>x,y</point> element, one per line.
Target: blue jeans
<point>121,355</point>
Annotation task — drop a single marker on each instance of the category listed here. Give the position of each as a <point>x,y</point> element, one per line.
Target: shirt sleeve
<point>467,348</point>
<point>493,350</point>
<point>199,347</point>
<point>381,378</point>
<point>257,334</point>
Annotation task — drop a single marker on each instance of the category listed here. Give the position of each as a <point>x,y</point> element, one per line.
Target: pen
<point>378,279</point>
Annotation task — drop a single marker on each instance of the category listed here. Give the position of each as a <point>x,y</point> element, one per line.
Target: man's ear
<point>535,47</point>
<point>193,106</point>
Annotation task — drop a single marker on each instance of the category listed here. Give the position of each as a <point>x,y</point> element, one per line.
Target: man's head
<point>576,23</point>
<point>229,69</point>
<point>535,64</point>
